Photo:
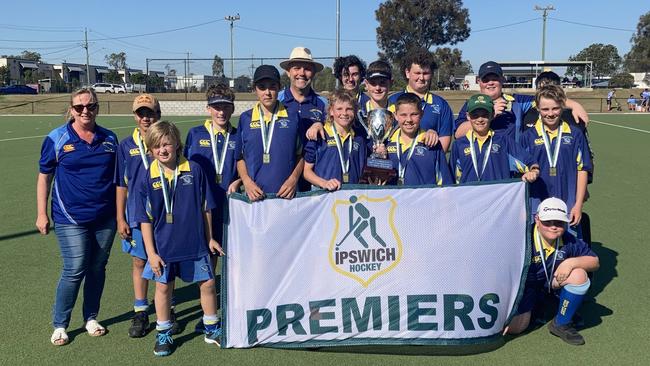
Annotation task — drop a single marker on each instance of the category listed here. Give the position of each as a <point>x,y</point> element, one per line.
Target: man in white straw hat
<point>559,265</point>
<point>300,97</point>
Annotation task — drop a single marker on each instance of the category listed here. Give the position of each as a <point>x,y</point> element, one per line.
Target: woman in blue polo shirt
<point>78,160</point>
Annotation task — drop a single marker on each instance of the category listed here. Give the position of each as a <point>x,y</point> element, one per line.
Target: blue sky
<point>55,29</point>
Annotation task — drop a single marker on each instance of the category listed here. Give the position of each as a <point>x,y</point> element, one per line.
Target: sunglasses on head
<point>80,107</point>
<point>556,223</point>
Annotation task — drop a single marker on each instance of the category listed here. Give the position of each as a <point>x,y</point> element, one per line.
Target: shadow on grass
<point>19,235</point>
<point>471,349</point>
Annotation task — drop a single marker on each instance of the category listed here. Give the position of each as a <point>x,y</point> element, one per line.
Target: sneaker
<point>139,325</point>
<point>214,337</point>
<point>164,343</point>
<point>176,328</point>
<point>566,332</point>
<point>199,328</point>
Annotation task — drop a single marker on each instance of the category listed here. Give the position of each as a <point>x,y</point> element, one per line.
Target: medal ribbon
<point>267,134</point>
<point>401,170</point>
<point>542,254</point>
<point>168,193</point>
<point>345,163</point>
<point>552,159</point>
<point>486,156</point>
<point>143,153</point>
<point>219,163</point>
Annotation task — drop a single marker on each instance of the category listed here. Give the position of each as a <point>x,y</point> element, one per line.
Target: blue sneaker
<point>164,343</point>
<point>214,337</point>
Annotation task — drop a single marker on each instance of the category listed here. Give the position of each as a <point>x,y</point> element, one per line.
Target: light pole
<point>544,15</point>
<point>232,19</point>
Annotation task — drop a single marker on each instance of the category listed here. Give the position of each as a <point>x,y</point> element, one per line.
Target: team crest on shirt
<point>496,148</point>
<point>467,151</point>
<point>539,141</point>
<point>204,143</point>
<point>561,255</point>
<point>255,124</point>
<point>355,146</point>
<point>108,146</point>
<point>156,185</point>
<point>365,243</point>
<point>187,179</point>
<point>134,152</point>
<point>231,145</point>
<point>68,147</point>
<point>316,114</point>
<point>567,140</point>
<point>420,150</point>
<point>283,123</point>
<point>435,108</point>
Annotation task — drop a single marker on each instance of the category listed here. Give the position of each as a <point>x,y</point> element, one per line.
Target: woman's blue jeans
<point>84,249</point>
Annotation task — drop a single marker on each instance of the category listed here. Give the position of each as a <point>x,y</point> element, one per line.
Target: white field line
<point>619,126</point>
<point>114,128</point>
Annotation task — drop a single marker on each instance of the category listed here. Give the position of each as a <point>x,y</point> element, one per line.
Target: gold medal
<point>553,172</point>
<point>266,158</point>
<point>219,178</point>
<point>346,178</point>
<point>169,218</point>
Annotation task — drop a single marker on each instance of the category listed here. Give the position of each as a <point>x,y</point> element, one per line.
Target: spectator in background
<point>631,103</point>
<point>610,95</point>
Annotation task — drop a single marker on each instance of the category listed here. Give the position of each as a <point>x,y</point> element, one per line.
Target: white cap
<point>552,209</point>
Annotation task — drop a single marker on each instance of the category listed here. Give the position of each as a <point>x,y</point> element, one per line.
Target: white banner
<point>374,266</point>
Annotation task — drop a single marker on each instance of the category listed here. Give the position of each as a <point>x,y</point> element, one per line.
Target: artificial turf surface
<point>616,319</point>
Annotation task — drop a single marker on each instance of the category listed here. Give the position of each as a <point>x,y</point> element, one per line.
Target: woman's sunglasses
<point>80,107</point>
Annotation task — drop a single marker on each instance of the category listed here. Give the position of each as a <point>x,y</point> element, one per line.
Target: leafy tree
<point>116,60</point>
<point>30,55</point>
<point>217,66</point>
<point>138,78</point>
<point>324,80</point>
<point>450,62</point>
<point>605,57</point>
<point>408,24</point>
<point>113,77</point>
<point>623,80</point>
<point>638,59</point>
<point>4,75</point>
<point>284,80</point>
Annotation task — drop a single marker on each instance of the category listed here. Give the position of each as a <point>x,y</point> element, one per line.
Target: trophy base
<point>378,169</point>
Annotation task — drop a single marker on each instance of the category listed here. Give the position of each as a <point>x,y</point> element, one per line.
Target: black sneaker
<point>139,325</point>
<point>566,332</point>
<point>164,343</point>
<point>176,328</point>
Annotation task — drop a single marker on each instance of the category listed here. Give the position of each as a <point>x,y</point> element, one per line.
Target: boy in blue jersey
<point>270,158</point>
<point>418,67</point>
<point>562,152</point>
<point>174,215</point>
<point>559,264</point>
<point>340,157</point>
<point>485,155</point>
<point>132,164</point>
<point>509,110</point>
<point>416,163</point>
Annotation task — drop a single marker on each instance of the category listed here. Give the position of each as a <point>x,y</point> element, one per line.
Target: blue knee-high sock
<point>140,305</point>
<point>571,298</point>
<point>210,322</point>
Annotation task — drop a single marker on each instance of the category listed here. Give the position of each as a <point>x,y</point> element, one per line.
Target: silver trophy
<point>378,167</point>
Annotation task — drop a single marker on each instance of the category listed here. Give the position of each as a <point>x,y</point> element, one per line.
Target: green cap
<point>480,101</point>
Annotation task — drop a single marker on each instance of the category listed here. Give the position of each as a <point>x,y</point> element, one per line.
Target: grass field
<point>617,321</point>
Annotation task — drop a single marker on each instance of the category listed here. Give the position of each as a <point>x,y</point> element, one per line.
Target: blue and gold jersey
<point>506,158</point>
<point>130,169</point>
<point>312,109</point>
<point>83,189</point>
<point>427,165</point>
<point>573,157</point>
<point>511,120</point>
<point>437,115</point>
<point>285,150</point>
<point>325,157</point>
<point>568,247</point>
<point>184,239</point>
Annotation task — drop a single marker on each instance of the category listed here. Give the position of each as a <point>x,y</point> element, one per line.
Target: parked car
<point>103,88</point>
<point>119,89</point>
<point>134,88</point>
<point>18,89</point>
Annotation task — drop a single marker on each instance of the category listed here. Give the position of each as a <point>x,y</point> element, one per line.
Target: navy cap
<point>266,72</point>
<point>488,68</point>
<point>379,74</point>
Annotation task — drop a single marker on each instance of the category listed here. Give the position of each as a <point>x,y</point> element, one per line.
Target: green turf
<point>617,322</point>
